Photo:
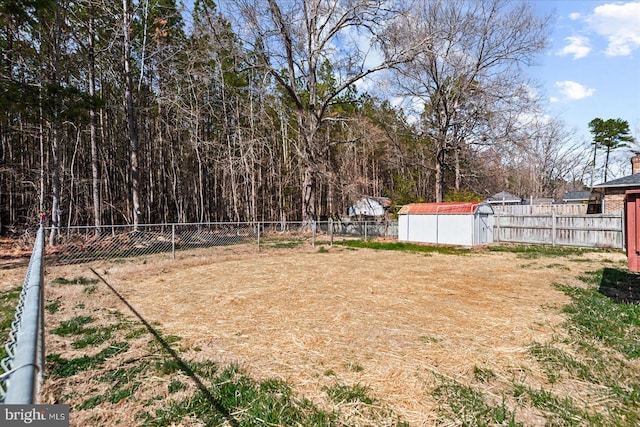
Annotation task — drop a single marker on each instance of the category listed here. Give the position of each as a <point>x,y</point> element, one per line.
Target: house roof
<point>576,195</point>
<point>625,181</point>
<point>504,196</point>
<point>444,208</point>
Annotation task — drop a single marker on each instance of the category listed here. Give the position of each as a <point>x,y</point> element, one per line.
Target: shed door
<point>483,229</point>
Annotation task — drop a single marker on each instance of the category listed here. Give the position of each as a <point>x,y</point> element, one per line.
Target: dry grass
<point>395,322</point>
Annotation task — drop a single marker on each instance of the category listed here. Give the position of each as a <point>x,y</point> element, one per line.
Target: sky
<point>592,68</point>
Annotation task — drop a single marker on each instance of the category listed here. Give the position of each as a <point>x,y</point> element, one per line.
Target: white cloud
<point>577,46</point>
<point>620,24</point>
<point>574,91</point>
<point>575,16</point>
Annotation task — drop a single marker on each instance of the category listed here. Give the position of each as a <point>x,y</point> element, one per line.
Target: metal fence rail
<point>23,366</point>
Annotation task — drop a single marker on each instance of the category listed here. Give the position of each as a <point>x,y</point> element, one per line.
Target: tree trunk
<point>458,179</point>
<point>95,174</point>
<point>55,137</point>
<point>309,196</point>
<point>131,118</point>
<point>440,166</point>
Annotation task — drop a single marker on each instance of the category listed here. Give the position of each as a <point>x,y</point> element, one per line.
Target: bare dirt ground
<point>388,320</point>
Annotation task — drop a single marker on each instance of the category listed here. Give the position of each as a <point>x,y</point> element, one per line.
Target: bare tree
<point>292,39</point>
<point>470,77</point>
<point>553,158</point>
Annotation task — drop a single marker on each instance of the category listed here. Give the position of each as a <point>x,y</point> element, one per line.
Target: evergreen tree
<point>609,135</point>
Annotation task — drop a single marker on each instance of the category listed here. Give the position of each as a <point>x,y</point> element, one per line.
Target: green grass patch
<point>340,393</point>
<point>8,304</point>
<point>555,362</point>
<point>112,396</point>
<point>282,244</point>
<point>541,251</point>
<point>53,307</point>
<point>464,405</point>
<point>89,336</point>
<point>75,326</point>
<point>558,411</point>
<point>75,281</point>
<point>90,285</point>
<point>406,247</point>
<point>167,366</point>
<point>176,386</point>
<point>136,333</point>
<point>483,375</point>
<point>122,376</point>
<point>93,337</point>
<point>601,318</point>
<point>252,403</point>
<point>61,367</point>
<point>170,340</point>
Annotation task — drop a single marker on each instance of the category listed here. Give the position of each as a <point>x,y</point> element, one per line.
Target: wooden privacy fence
<point>593,231</point>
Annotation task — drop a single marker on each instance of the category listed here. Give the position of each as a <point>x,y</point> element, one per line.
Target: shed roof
<point>444,208</point>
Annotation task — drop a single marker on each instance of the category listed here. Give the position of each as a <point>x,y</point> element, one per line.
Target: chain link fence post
<point>258,232</point>
<point>173,241</point>
<point>313,233</point>
<point>330,225</point>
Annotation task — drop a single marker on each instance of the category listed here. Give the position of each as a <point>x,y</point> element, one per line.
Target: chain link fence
<point>90,243</point>
<point>21,369</point>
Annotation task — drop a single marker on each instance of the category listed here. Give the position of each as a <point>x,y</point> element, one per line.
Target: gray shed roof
<point>625,181</point>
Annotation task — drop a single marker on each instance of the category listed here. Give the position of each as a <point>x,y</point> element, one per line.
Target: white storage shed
<point>451,223</point>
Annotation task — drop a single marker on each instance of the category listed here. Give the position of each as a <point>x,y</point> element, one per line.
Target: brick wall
<point>613,201</point>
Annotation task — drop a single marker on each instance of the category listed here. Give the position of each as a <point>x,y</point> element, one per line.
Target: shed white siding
<point>471,228</point>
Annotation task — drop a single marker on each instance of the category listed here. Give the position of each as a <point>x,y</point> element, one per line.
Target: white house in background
<point>451,223</point>
<point>370,206</point>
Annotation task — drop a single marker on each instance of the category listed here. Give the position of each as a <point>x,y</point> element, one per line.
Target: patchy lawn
<point>342,336</point>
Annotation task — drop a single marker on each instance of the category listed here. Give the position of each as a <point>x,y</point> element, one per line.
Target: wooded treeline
<point>125,111</point>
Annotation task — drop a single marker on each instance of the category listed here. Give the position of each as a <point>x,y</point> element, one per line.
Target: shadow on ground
<point>181,363</point>
<point>620,285</point>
